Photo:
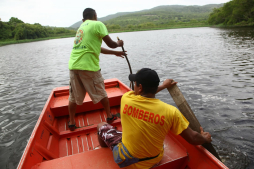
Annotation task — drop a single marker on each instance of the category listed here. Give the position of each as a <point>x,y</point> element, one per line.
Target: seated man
<point>145,123</point>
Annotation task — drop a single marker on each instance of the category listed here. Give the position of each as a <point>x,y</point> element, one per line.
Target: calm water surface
<point>214,69</point>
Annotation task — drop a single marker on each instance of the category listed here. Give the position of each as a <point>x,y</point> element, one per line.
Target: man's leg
<point>105,104</point>
<point>72,110</point>
<point>108,136</point>
<point>101,142</point>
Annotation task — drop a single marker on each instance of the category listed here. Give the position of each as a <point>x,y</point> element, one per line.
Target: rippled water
<point>214,69</point>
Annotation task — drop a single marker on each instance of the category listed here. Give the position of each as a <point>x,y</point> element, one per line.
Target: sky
<point>64,13</point>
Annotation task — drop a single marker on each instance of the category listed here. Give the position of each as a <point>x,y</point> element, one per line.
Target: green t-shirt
<point>87,46</point>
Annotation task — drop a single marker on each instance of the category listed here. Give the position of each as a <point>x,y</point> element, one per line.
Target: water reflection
<point>214,68</point>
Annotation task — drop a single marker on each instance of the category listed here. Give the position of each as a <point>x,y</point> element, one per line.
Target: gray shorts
<point>82,81</point>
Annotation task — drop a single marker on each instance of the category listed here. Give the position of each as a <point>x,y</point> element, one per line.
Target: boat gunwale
<point>40,122</point>
<point>31,138</point>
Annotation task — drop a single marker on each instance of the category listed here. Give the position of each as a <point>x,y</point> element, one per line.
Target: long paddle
<point>185,109</point>
<point>132,85</point>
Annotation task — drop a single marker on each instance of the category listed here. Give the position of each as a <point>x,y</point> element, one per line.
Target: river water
<point>214,68</point>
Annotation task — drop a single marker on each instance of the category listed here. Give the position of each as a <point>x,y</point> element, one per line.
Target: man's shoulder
<point>166,105</point>
<point>96,22</point>
<point>128,93</point>
<point>99,22</point>
<point>92,22</point>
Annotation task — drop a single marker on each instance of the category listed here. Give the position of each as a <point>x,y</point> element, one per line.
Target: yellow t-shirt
<point>145,124</point>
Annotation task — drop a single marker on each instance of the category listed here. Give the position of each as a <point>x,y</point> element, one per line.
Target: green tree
<point>130,26</point>
<point>113,26</point>
<point>5,31</point>
<point>20,32</point>
<point>14,20</point>
<point>233,12</point>
<point>216,17</point>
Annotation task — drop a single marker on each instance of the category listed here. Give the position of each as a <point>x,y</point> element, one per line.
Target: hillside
<point>165,15</point>
<point>158,15</point>
<point>103,19</point>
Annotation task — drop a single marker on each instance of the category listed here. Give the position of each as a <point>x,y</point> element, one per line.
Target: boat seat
<point>60,102</point>
<point>175,156</point>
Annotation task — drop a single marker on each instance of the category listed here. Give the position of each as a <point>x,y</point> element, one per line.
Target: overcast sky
<point>64,13</point>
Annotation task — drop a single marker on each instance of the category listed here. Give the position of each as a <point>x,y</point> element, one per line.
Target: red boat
<point>53,146</point>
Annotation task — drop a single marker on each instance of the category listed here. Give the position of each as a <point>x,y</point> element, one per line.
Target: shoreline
<point>11,41</point>
<point>156,28</point>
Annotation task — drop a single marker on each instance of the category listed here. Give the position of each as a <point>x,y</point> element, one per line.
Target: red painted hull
<point>53,145</point>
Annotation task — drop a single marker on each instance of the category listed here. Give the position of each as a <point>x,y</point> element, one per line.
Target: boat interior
<point>53,145</point>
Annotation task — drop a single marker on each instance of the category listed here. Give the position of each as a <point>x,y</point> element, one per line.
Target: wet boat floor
<point>85,138</point>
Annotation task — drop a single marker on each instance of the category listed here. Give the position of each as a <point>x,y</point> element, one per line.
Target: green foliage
<point>15,20</point>
<point>18,30</point>
<point>235,12</point>
<point>161,17</point>
<point>113,26</point>
<point>6,31</point>
<point>216,17</point>
<point>28,31</point>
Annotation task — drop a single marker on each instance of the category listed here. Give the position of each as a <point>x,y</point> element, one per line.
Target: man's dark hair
<point>88,13</point>
<point>146,89</point>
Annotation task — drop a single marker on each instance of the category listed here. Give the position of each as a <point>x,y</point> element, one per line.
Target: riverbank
<point>156,28</point>
<point>135,29</point>
<point>12,41</point>
<point>232,26</point>
<point>183,25</point>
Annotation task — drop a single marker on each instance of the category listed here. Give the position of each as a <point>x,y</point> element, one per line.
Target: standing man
<point>145,123</point>
<point>85,75</point>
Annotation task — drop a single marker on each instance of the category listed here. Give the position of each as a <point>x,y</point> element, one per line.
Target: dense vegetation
<point>16,29</point>
<point>235,12</point>
<point>161,17</point>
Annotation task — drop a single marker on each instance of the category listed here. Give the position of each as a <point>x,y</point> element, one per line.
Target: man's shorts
<point>110,135</point>
<point>113,139</point>
<point>82,81</point>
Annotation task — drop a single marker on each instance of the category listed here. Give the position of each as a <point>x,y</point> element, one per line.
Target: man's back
<point>145,123</point>
<point>87,46</point>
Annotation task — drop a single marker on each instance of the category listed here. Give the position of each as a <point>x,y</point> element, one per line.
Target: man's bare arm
<point>166,84</point>
<point>110,43</point>
<point>112,52</point>
<point>195,138</point>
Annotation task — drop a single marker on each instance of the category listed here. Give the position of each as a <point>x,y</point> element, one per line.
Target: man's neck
<point>90,19</point>
<point>149,95</point>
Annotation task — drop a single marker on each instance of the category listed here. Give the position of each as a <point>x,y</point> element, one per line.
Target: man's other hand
<point>120,53</point>
<point>169,83</point>
<point>119,43</point>
<point>206,135</point>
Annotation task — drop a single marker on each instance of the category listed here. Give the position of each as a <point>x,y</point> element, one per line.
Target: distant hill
<point>162,15</point>
<point>159,15</point>
<point>103,19</point>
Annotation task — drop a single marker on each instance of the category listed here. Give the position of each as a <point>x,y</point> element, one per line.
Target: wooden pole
<point>131,83</point>
<point>185,109</point>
